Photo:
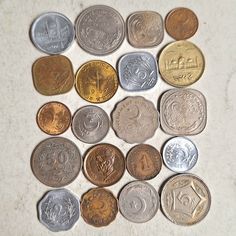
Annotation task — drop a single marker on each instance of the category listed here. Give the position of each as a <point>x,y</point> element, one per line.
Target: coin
<point>53,75</point>
<point>104,165</point>
<point>100,30</point>
<point>183,112</point>
<point>138,202</point>
<point>96,81</point>
<point>58,210</point>
<point>52,33</point>
<point>99,207</point>
<point>181,23</point>
<point>54,118</point>
<point>185,199</point>
<point>137,71</point>
<point>181,63</point>
<point>180,154</point>
<point>56,162</point>
<point>143,162</point>
<point>145,29</point>
<point>90,124</point>
<point>135,119</point>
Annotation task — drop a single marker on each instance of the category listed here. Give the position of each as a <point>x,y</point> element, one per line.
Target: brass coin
<point>181,63</point>
<point>96,81</point>
<point>54,118</point>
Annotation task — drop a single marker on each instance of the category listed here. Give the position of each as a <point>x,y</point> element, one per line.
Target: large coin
<point>52,33</point>
<point>185,199</point>
<point>58,210</point>
<point>56,162</point>
<point>135,119</point>
<point>181,63</point>
<point>183,112</point>
<point>100,30</point>
<point>138,202</point>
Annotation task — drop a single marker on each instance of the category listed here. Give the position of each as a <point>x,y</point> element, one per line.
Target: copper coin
<point>104,165</point>
<point>143,162</point>
<point>181,23</point>
<point>54,118</point>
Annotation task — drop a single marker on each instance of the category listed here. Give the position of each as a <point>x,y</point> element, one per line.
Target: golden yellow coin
<point>96,81</point>
<point>181,63</point>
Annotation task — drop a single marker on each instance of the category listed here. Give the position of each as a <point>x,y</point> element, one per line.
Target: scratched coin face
<point>52,33</point>
<point>185,199</point>
<point>138,202</point>
<point>58,210</point>
<point>104,165</point>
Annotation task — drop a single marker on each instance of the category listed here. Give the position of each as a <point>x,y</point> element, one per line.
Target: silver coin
<point>58,210</point>
<point>90,124</point>
<point>137,71</point>
<point>100,30</point>
<point>138,202</point>
<point>52,33</point>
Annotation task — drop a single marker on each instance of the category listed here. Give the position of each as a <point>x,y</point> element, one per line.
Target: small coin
<point>181,63</point>
<point>96,81</point>
<point>104,165</point>
<point>180,154</point>
<point>54,118</point>
<point>143,162</point>
<point>58,210</point>
<point>52,33</point>
<point>135,119</point>
<point>145,29</point>
<point>185,199</point>
<point>137,71</point>
<point>100,30</point>
<point>53,75</point>
<point>181,23</point>
<point>56,162</point>
<point>90,124</point>
<point>138,202</point>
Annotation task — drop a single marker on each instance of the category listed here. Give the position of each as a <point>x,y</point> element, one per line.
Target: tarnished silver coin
<point>137,71</point>
<point>180,154</point>
<point>100,30</point>
<point>135,119</point>
<point>52,33</point>
<point>90,124</point>
<point>58,210</point>
<point>138,202</point>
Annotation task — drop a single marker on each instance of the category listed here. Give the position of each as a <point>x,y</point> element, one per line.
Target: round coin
<point>185,199</point>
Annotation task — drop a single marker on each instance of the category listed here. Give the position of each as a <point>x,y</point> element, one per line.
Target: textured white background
<point>19,103</point>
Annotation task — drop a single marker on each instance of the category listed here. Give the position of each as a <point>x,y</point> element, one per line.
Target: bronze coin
<point>104,164</point>
<point>143,162</point>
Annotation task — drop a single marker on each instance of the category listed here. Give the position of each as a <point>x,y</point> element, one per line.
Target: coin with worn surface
<point>138,202</point>
<point>100,30</point>
<point>53,75</point>
<point>181,63</point>
<point>145,29</point>
<point>181,23</point>
<point>137,71</point>
<point>96,81</point>
<point>135,119</point>
<point>56,162</point>
<point>185,199</point>
<point>59,210</point>
<point>183,112</point>
<point>52,33</point>
<point>143,162</point>
<point>104,164</point>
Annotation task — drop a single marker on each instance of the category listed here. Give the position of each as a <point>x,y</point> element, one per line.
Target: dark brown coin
<point>143,162</point>
<point>104,165</point>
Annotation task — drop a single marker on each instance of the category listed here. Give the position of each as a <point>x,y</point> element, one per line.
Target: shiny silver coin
<point>137,71</point>
<point>52,33</point>
<point>58,210</point>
